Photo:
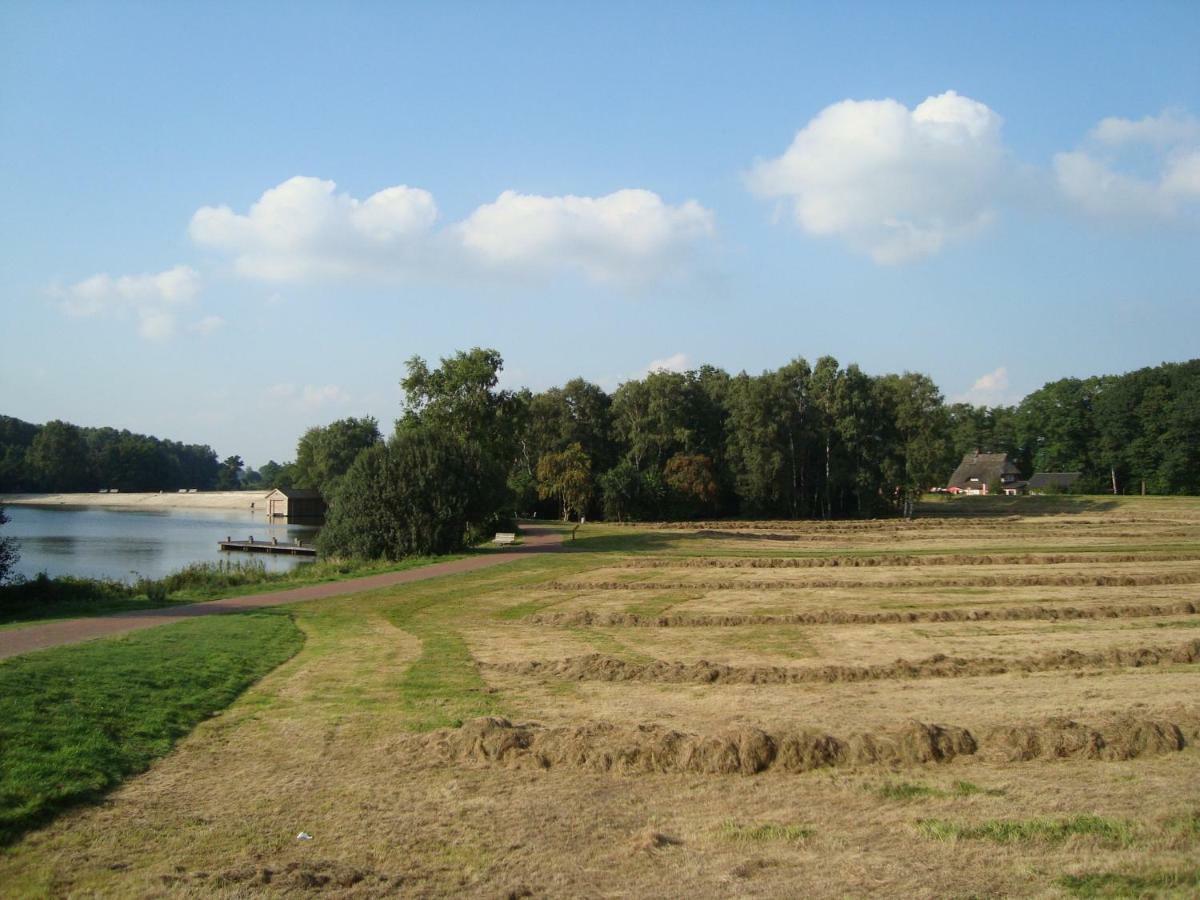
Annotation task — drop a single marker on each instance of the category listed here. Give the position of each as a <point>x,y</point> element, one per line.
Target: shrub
<point>422,494</point>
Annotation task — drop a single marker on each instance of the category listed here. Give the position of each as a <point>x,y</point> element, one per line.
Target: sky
<point>226,222</point>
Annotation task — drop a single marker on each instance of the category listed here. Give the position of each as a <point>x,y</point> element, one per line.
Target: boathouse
<point>295,504</point>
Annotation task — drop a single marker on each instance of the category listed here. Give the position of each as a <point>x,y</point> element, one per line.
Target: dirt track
<point>16,641</point>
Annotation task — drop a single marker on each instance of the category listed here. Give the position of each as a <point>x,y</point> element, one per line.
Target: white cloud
<point>990,389</point>
<point>893,182</point>
<point>307,398</point>
<point>676,362</point>
<point>208,325</point>
<point>153,299</point>
<point>304,229</point>
<point>1135,170</point>
<point>629,235</point>
<point>1167,129</point>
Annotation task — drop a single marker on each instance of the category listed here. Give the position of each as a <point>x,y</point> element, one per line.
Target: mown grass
<point>443,687</point>
<point>733,831</point>
<point>905,791</point>
<point>42,598</point>
<point>75,721</point>
<point>1170,883</point>
<point>1113,831</point>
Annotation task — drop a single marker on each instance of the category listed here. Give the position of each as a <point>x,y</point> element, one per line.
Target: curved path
<point>15,641</point>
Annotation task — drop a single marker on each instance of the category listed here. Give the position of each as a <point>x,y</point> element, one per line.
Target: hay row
<point>840,617</point>
<point>934,582</point>
<point>869,562</point>
<point>652,748</point>
<point>1041,531</point>
<point>930,523</point>
<point>599,667</point>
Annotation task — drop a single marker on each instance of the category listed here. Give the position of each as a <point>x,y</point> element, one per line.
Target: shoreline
<point>158,500</point>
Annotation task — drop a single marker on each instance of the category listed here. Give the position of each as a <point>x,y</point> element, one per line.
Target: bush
<point>422,494</point>
<point>8,552</point>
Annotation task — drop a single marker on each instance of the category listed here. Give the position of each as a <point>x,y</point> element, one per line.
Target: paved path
<point>14,641</point>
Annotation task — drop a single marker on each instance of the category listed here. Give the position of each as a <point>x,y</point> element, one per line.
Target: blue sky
<point>590,188</point>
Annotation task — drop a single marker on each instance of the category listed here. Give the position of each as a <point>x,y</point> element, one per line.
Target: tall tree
<point>230,476</point>
<point>58,458</point>
<point>567,477</point>
<point>325,454</point>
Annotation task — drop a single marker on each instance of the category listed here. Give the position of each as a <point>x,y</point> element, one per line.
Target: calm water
<point>116,543</point>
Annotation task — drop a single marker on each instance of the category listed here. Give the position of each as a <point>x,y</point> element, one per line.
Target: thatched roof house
<point>981,473</point>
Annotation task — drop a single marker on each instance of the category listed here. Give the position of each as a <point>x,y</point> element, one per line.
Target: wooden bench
<point>504,537</point>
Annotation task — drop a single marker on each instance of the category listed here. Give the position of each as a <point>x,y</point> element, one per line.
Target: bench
<point>504,537</point>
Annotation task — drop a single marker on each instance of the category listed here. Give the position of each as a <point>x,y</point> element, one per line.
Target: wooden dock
<point>272,546</point>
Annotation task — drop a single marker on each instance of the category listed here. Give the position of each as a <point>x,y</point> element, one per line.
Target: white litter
<point>304,836</point>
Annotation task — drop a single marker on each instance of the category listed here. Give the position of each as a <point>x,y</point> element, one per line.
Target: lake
<point>95,542</point>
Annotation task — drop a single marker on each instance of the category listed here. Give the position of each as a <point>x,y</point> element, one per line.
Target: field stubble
<point>433,741</point>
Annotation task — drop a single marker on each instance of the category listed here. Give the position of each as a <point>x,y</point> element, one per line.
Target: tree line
<point>61,457</point>
<point>1121,432</point>
<point>818,440</point>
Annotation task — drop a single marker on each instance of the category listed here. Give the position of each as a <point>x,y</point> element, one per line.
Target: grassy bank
<point>75,721</point>
<point>44,598</point>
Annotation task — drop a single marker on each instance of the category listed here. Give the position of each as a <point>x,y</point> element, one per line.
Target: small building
<point>1052,482</point>
<point>295,504</point>
<point>980,473</point>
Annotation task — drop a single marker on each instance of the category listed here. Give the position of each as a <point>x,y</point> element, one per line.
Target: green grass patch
<point>42,598</point>
<point>443,687</point>
<point>733,831</point>
<point>1188,825</point>
<point>905,791</point>
<point>604,641</point>
<point>75,721</point>
<point>657,604</point>
<point>1112,831</point>
<point>970,789</point>
<point>1170,883</point>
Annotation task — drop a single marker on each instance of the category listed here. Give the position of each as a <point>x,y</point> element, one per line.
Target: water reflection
<point>127,543</point>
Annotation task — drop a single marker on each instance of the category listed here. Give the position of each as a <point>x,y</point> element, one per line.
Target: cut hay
<point>599,667</point>
<point>646,749</point>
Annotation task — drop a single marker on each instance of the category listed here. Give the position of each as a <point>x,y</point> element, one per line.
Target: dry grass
<point>614,788</point>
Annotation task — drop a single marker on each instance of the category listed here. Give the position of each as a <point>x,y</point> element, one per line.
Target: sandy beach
<point>158,500</point>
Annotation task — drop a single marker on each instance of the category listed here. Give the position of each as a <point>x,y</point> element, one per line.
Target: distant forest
<point>59,456</point>
<point>801,441</point>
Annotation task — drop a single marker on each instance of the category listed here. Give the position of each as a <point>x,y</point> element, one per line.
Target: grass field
<point>997,698</point>
<point>44,599</point>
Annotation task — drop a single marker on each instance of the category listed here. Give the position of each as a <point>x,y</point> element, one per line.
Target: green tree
<point>692,482</point>
<point>58,458</point>
<point>567,477</point>
<point>460,398</point>
<point>325,454</point>
<point>229,478</point>
<point>422,493</point>
<point>9,551</point>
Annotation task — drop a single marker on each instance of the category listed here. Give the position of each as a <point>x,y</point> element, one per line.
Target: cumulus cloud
<point>152,299</point>
<point>629,235</point>
<point>990,389</point>
<point>676,362</point>
<point>304,229</point>
<point>1135,169</point>
<point>1169,128</point>
<point>308,397</point>
<point>896,183</point>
